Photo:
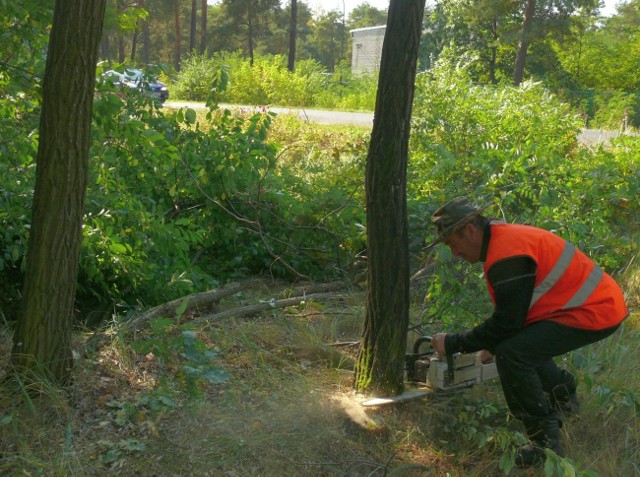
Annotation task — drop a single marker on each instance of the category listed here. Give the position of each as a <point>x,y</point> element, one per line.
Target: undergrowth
<point>284,406</point>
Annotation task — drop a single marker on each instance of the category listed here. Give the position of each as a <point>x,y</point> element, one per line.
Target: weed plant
<point>267,81</point>
<point>286,407</point>
<point>180,202</point>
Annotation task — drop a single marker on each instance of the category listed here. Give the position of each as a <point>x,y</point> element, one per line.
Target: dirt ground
<point>286,408</point>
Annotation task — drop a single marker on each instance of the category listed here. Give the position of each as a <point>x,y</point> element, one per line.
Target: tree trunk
<point>194,24</point>
<point>104,46</point>
<point>136,34</point>
<point>178,35</point>
<point>525,40</point>
<point>146,43</point>
<point>134,45</point>
<point>293,28</point>
<point>494,53</point>
<point>380,366</point>
<point>250,34</point>
<point>121,51</point>
<point>203,27</point>
<point>42,342</point>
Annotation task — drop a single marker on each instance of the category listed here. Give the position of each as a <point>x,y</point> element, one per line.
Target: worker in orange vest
<point>549,298</point>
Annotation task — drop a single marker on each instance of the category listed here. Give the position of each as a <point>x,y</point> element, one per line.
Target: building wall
<point>366,49</point>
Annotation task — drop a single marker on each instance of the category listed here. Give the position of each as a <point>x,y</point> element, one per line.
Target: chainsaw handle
<point>419,342</point>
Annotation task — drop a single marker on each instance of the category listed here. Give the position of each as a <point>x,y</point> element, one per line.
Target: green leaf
<point>6,419</point>
<point>118,248</point>
<point>132,445</point>
<point>182,307</point>
<point>109,457</point>
<point>159,325</point>
<point>190,116</point>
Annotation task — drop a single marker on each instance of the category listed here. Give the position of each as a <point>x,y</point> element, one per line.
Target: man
<point>549,299</point>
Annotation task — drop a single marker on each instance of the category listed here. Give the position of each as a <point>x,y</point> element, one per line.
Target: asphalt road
<point>587,136</point>
<point>315,115</point>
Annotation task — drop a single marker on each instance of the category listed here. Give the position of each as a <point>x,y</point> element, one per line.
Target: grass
<point>284,409</point>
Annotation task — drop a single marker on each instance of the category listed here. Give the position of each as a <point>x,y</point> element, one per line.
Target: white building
<point>366,49</point>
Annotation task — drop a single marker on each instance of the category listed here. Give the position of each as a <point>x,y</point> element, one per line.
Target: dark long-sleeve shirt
<point>513,280</point>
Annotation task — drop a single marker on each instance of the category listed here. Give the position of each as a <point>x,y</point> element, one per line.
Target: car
<point>139,80</point>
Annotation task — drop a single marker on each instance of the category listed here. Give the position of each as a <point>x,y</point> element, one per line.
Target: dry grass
<point>282,411</point>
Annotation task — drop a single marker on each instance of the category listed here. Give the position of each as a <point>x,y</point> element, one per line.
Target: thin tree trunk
<point>146,44</point>
<point>178,34</point>
<point>380,365</point>
<point>293,28</point>
<point>136,34</point>
<point>525,40</point>
<point>134,44</point>
<point>250,34</point>
<point>194,25</point>
<point>494,52</point>
<point>42,341</point>
<point>203,27</point>
<point>121,51</point>
<point>104,46</point>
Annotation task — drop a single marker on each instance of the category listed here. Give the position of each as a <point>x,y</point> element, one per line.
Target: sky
<point>348,5</point>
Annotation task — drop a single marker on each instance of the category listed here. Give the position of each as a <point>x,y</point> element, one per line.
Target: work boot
<point>542,435</point>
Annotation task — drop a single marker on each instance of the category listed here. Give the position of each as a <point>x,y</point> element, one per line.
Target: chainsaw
<point>456,371</point>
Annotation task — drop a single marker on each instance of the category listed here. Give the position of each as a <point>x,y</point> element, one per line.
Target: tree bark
<point>203,27</point>
<point>121,51</point>
<point>293,28</point>
<point>250,33</point>
<point>196,301</point>
<point>145,38</point>
<point>136,34</point>
<point>178,34</point>
<point>250,310</point>
<point>380,366</point>
<point>134,45</point>
<point>42,342</point>
<point>494,53</point>
<point>194,24</point>
<point>525,40</point>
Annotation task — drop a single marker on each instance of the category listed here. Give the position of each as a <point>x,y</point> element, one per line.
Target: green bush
<point>514,149</point>
<point>269,82</point>
<point>196,77</point>
<point>616,111</point>
<point>18,148</point>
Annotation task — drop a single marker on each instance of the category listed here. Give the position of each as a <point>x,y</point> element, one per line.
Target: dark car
<point>139,80</point>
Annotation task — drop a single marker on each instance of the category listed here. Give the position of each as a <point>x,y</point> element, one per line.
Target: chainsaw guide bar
<point>457,371</point>
<point>405,396</point>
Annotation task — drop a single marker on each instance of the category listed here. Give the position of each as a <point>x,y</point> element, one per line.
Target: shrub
<point>269,82</point>
<point>616,111</point>
<point>514,148</point>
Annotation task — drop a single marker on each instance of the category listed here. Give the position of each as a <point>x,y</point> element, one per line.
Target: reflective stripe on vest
<point>562,264</point>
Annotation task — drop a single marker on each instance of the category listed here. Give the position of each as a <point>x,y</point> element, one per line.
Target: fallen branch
<point>319,287</point>
<point>345,344</point>
<point>250,310</point>
<point>198,300</point>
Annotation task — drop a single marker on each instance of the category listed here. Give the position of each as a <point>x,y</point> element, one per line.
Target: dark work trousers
<point>527,369</point>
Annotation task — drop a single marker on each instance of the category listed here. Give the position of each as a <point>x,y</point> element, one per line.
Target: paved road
<point>587,136</point>
<point>315,115</point>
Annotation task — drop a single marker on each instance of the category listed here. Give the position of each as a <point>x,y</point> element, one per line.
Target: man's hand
<point>485,356</point>
<point>437,343</point>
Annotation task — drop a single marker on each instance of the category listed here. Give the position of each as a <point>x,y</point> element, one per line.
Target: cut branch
<point>197,300</point>
<point>250,310</point>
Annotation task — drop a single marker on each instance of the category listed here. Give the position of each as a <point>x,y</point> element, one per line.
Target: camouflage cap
<point>453,215</point>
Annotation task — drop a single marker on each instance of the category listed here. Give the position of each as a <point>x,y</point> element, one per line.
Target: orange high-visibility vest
<point>569,287</point>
